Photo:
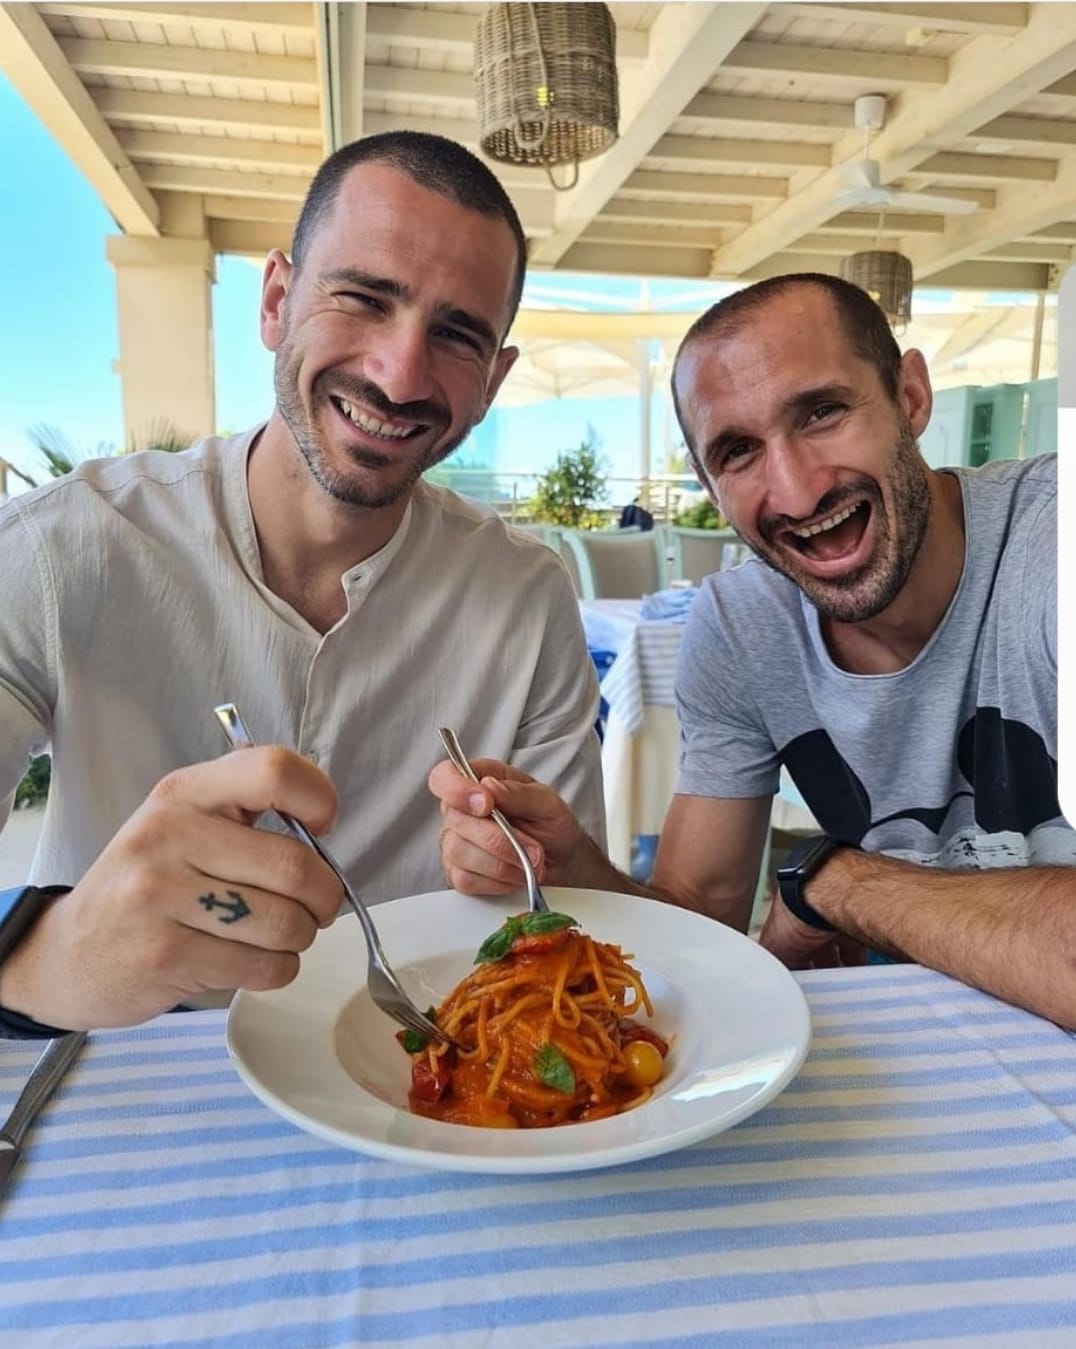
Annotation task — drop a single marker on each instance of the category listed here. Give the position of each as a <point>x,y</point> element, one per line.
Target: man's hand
<point>476,856</point>
<point>802,947</point>
<point>187,898</point>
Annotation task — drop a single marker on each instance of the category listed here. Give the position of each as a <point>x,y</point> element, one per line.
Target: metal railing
<point>665,495</point>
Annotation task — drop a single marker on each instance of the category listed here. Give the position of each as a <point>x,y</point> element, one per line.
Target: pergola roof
<point>735,120</point>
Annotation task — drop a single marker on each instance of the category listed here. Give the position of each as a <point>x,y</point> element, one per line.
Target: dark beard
<point>371,495</point>
<point>866,593</point>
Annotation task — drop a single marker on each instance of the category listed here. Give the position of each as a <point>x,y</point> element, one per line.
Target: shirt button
<point>313,756</point>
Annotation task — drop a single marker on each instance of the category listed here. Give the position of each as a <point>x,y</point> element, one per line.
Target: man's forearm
<point>1010,932</point>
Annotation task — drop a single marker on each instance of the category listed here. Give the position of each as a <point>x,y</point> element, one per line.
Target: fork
<point>536,900</point>
<point>385,988</point>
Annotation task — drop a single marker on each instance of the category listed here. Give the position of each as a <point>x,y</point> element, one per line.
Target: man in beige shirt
<point>304,571</point>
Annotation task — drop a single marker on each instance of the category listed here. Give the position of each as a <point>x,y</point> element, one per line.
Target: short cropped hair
<point>865,325</point>
<point>434,162</point>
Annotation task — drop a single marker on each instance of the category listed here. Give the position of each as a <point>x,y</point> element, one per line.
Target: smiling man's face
<point>812,462</point>
<point>388,337</point>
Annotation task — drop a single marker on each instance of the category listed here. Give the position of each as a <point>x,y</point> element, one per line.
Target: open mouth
<point>833,537</point>
<point>377,428</point>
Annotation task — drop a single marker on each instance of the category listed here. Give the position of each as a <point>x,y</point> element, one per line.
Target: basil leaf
<point>498,944</point>
<point>412,1041</point>
<point>534,924</point>
<point>551,1067</point>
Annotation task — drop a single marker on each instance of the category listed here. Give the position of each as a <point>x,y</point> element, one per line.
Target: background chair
<point>615,564</point>
<point>695,553</point>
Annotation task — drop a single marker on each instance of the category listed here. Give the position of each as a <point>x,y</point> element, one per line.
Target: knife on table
<point>58,1056</point>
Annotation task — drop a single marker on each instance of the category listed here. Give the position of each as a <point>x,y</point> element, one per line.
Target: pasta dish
<point>545,1029</point>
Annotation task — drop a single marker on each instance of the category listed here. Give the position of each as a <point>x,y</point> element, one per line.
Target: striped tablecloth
<point>915,1185</point>
<point>644,672</point>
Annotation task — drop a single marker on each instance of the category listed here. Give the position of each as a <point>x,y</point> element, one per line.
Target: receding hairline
<point>862,323</point>
<point>433,163</point>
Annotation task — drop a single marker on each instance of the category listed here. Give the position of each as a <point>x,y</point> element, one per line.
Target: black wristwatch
<point>801,864</point>
<point>19,909</point>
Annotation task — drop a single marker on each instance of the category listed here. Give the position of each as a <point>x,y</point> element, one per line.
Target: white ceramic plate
<point>323,1056</point>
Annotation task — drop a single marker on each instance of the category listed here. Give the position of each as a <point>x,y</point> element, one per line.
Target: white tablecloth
<point>915,1185</point>
<point>641,749</point>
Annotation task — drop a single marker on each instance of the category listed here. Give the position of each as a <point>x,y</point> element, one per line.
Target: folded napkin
<point>672,604</point>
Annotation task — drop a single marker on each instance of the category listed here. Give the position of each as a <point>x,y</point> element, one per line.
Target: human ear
<point>914,395</point>
<point>276,282</point>
<point>502,363</point>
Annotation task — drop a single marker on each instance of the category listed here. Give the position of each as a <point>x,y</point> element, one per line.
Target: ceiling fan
<point>863,177</point>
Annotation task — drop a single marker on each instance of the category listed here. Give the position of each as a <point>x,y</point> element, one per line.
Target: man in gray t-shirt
<point>893,644</point>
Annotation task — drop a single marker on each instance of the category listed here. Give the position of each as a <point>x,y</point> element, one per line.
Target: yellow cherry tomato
<point>645,1064</point>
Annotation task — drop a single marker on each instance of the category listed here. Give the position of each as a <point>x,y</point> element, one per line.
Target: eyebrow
<point>797,404</point>
<point>396,290</point>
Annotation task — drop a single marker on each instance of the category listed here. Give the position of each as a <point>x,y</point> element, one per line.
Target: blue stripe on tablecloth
<point>321,1154</point>
<point>994,1318</point>
<point>208,1208</point>
<point>507,1258</point>
<point>532,1308</point>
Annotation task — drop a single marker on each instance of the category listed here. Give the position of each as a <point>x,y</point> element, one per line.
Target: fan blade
<point>925,201</point>
<point>861,174</point>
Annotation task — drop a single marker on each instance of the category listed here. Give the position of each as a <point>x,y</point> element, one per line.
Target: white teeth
<point>830,522</point>
<point>371,425</point>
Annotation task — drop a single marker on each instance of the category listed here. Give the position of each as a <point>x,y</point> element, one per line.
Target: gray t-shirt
<point>951,761</point>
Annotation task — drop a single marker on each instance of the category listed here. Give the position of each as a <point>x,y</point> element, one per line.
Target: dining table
<point>636,645</point>
<point>914,1184</point>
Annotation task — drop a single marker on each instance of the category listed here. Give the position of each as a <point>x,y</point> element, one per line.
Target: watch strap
<point>21,915</point>
<point>803,862</point>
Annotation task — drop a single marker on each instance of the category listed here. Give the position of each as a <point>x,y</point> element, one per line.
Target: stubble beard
<point>389,480</point>
<point>865,593</point>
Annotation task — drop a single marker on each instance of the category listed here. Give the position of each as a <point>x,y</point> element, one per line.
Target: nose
<point>398,362</point>
<point>795,478</point>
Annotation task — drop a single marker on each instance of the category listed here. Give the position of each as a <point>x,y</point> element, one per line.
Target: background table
<point>916,1184</point>
<point>641,747</point>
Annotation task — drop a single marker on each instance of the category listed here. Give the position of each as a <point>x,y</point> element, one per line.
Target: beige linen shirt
<point>132,601</point>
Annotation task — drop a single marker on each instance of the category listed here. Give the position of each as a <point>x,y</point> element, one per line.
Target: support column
<point>164,304</point>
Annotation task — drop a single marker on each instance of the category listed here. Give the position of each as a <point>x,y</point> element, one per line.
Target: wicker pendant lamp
<point>887,279</point>
<point>546,84</point>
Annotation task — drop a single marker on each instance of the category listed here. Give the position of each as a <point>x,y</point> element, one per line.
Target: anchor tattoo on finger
<point>235,906</point>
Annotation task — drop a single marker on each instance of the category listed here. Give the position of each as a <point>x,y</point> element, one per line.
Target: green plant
<point>703,515</point>
<point>61,454</point>
<point>570,492</point>
<point>33,790</point>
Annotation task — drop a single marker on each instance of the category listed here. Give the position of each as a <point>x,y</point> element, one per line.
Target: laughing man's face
<point>811,461</point>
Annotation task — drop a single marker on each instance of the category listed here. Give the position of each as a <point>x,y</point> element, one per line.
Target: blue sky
<point>59,337</point>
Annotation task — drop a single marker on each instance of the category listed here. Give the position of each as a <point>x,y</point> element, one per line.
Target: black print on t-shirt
<point>1006,765</point>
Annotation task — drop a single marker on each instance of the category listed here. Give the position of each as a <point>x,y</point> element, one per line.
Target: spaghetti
<point>545,1024</point>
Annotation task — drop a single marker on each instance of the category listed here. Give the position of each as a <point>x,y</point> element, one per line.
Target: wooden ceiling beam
<point>778,112</point>
<point>1051,131</point>
<point>269,156</point>
<point>158,61</point>
<point>672,212</point>
<point>223,183</point>
<point>281,19</point>
<point>986,168</point>
<point>705,186</point>
<point>720,150</point>
<point>987,77</point>
<point>38,69</point>
<point>210,114</point>
<point>430,30</point>
<point>885,70</point>
<point>626,259</point>
<point>1018,215</point>
<point>1002,19</point>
